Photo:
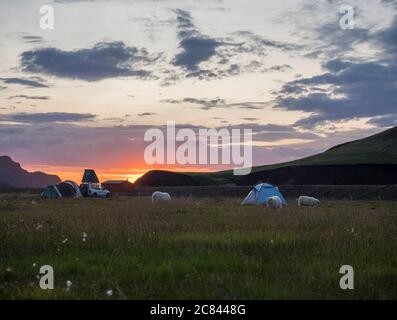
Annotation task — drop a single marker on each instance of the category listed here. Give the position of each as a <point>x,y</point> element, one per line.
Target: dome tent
<point>69,189</point>
<point>76,188</point>
<point>66,189</point>
<point>261,192</point>
<point>51,192</point>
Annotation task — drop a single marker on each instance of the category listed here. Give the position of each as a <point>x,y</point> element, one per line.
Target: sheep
<point>274,202</point>
<point>307,201</point>
<point>158,196</point>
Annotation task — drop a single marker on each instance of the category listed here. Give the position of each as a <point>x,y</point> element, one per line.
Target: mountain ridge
<point>12,174</point>
<point>376,153</point>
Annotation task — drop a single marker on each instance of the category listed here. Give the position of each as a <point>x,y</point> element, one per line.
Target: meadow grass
<point>196,249</point>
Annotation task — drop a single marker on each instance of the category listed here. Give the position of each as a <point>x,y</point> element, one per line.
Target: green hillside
<point>377,149</point>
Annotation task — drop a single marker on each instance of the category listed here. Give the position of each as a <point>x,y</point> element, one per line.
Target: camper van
<point>94,190</point>
<point>91,187</point>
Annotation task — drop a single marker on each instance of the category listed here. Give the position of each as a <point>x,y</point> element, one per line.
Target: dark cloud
<point>389,120</point>
<point>32,83</point>
<point>46,117</point>
<point>9,129</point>
<point>194,51</point>
<point>349,89</point>
<point>194,46</point>
<point>207,58</point>
<point>387,39</point>
<point>207,104</point>
<point>335,41</point>
<point>104,60</point>
<point>145,114</point>
<point>356,90</point>
<point>250,119</point>
<point>204,103</point>
<point>32,39</point>
<point>259,42</point>
<point>274,132</point>
<point>22,96</point>
<point>280,67</point>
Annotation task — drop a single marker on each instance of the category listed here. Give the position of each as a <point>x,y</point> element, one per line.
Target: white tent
<point>76,188</point>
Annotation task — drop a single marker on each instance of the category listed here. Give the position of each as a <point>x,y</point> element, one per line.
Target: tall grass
<point>196,249</point>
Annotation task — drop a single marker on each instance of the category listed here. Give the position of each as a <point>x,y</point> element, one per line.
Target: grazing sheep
<point>161,197</point>
<point>274,202</point>
<point>307,201</point>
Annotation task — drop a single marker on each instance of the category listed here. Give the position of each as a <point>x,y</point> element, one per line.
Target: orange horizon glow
<point>104,174</point>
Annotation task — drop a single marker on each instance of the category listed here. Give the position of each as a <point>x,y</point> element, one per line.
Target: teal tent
<point>261,192</point>
<point>51,192</point>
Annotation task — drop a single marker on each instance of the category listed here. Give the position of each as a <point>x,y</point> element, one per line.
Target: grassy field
<point>195,249</point>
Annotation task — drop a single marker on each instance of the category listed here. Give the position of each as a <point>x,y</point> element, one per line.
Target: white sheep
<point>307,201</point>
<point>274,202</point>
<point>158,196</point>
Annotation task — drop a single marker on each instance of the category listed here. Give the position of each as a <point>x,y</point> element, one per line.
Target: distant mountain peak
<point>11,173</point>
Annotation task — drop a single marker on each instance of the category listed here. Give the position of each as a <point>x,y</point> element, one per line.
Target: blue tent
<point>261,192</point>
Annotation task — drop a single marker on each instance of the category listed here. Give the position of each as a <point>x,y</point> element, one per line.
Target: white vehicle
<point>95,190</point>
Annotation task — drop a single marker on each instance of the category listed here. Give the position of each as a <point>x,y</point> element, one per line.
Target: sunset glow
<point>198,64</point>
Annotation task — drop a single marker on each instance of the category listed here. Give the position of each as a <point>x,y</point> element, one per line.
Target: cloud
<point>32,83</point>
<point>356,90</point>
<point>145,114</point>
<point>104,60</point>
<point>46,117</point>
<point>22,96</point>
<point>32,39</point>
<point>204,103</point>
<point>194,51</point>
<point>389,120</point>
<point>387,39</point>
<point>274,132</point>
<point>258,42</point>
<point>207,58</point>
<point>334,41</point>
<point>195,47</point>
<point>250,119</point>
<point>207,104</point>
<point>349,88</point>
<point>62,144</point>
<point>280,67</point>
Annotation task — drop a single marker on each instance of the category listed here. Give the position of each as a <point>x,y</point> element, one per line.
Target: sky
<point>83,94</point>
